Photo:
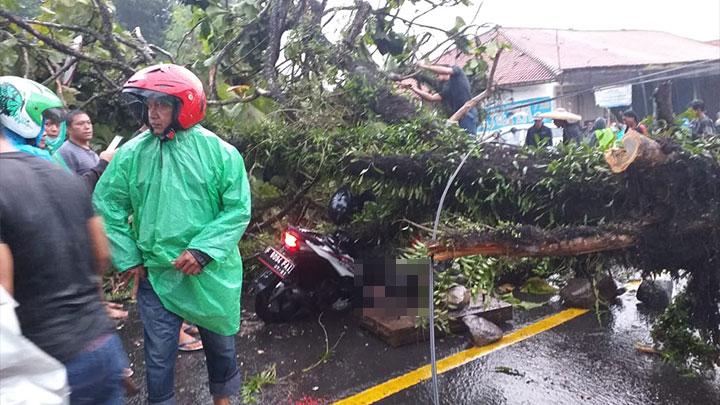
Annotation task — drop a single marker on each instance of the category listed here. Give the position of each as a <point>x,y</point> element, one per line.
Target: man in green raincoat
<point>176,201</point>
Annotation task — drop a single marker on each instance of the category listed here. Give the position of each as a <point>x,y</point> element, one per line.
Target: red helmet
<point>170,80</point>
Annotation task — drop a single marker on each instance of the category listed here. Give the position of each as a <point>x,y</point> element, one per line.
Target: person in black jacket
<point>538,134</point>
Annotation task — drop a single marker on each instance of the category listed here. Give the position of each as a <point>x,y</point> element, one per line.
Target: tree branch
<point>96,96</point>
<point>356,26</point>
<point>451,38</point>
<point>297,14</point>
<point>278,15</point>
<point>256,94</point>
<point>212,72</point>
<point>124,67</point>
<point>26,63</point>
<point>106,79</point>
<point>410,23</point>
<point>336,9</point>
<point>187,35</point>
<point>58,72</point>
<point>107,28</point>
<point>637,149</point>
<point>146,51</point>
<point>292,204</point>
<point>537,243</point>
<point>148,57</point>
<point>21,41</point>
<point>162,51</point>
<point>75,28</point>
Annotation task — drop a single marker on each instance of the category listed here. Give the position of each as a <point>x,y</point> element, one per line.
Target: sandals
<point>191,345</point>
<point>188,346</point>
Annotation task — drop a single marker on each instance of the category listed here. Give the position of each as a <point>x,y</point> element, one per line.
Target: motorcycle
<point>309,271</point>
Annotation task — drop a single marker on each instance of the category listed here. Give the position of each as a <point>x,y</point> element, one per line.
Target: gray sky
<point>697,19</point>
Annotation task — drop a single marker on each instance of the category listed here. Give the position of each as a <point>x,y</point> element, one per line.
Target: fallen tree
<point>658,211</point>
<point>678,191</point>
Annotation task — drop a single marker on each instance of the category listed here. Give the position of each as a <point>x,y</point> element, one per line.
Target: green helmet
<point>24,104</point>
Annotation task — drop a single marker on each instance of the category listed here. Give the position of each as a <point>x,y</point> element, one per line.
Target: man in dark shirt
<point>76,152</point>
<point>454,94</point>
<point>702,125</point>
<point>538,133</point>
<point>57,246</point>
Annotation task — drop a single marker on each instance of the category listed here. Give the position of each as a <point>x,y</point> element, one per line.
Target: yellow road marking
<point>397,384</point>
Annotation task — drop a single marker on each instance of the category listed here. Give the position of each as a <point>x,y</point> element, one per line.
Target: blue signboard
<point>516,113</point>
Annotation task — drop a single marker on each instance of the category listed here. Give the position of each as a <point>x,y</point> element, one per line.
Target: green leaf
<point>538,286</point>
<point>517,303</point>
<point>215,11</point>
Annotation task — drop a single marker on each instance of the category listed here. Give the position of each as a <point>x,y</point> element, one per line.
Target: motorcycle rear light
<point>291,241</point>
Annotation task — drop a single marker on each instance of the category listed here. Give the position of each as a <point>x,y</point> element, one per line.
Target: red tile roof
<point>515,66</point>
<point>533,56</point>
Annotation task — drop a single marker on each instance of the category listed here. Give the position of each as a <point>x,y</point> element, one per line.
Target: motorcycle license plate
<point>277,262</point>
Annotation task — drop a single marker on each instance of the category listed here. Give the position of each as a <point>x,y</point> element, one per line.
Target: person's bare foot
<point>188,343</point>
<point>221,401</point>
<point>190,329</point>
<point>115,311</point>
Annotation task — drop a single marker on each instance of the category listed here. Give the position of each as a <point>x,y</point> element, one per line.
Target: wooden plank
<point>401,330</point>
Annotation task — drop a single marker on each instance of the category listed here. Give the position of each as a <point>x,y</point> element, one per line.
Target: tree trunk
<point>662,97</point>
<point>637,149</point>
<point>533,242</point>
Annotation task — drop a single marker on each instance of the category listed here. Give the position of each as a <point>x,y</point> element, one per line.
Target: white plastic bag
<point>28,375</point>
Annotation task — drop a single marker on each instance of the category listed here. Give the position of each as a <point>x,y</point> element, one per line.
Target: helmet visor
<point>136,101</point>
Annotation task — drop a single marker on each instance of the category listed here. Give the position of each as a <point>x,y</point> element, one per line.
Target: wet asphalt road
<point>584,361</point>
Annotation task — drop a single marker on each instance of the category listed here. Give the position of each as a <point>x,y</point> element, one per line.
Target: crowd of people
<point>168,208</point>
<point>599,133</point>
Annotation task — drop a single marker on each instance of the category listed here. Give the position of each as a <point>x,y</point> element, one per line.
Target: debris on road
<point>578,293</point>
<point>655,293</point>
<point>482,331</point>
<point>509,371</point>
<point>458,297</point>
<point>643,348</point>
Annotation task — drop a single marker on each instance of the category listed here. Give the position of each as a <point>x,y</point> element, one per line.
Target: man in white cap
<point>538,134</point>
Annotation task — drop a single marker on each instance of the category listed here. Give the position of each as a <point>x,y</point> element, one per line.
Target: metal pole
<point>431,278</point>
<point>433,360</point>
